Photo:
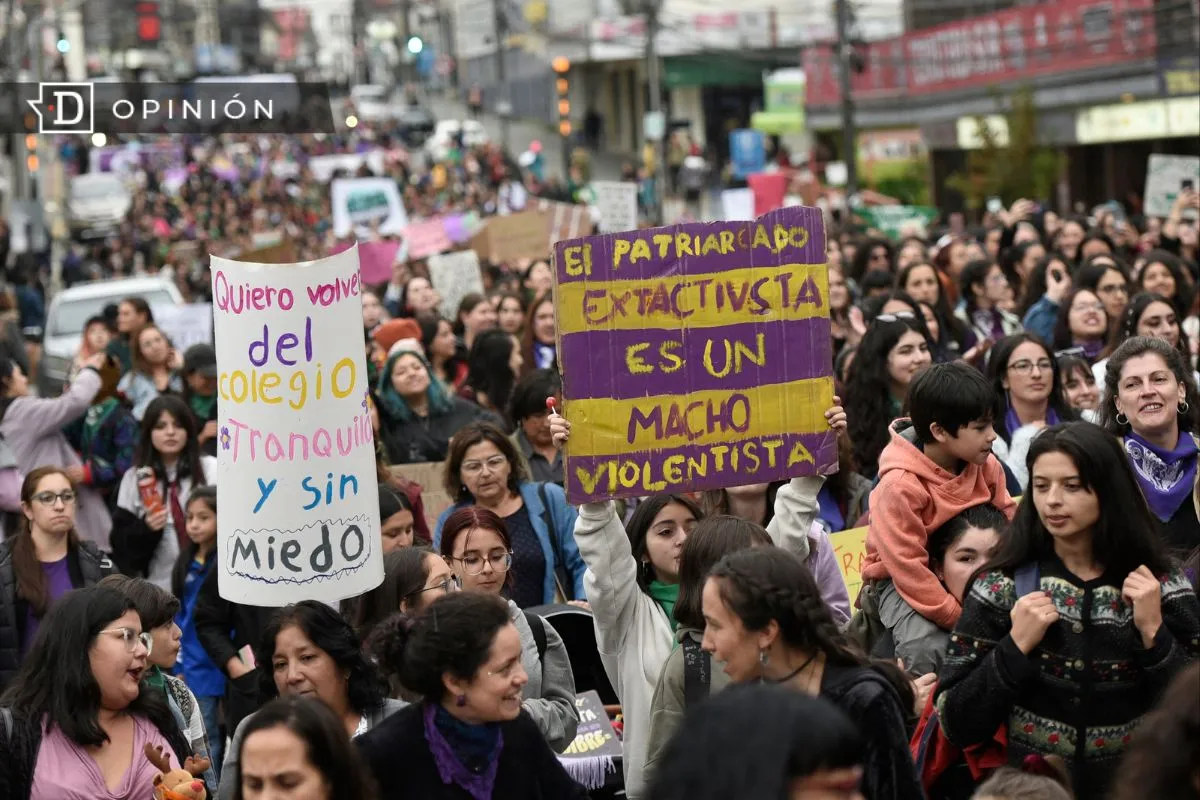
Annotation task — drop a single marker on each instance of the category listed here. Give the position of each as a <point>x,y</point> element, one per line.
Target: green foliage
<point>1020,168</point>
<point>907,180</point>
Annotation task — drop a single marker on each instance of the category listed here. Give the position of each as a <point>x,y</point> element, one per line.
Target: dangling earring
<point>460,701</point>
<point>763,658</point>
<point>1183,407</point>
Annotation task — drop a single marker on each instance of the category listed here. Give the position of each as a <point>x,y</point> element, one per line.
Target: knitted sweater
<point>1080,693</point>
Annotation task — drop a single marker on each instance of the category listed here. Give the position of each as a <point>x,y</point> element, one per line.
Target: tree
<point>1018,168</point>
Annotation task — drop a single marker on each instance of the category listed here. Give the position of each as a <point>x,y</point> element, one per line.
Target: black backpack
<point>697,672</point>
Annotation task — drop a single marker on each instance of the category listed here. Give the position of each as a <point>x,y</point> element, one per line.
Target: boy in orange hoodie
<point>937,464</point>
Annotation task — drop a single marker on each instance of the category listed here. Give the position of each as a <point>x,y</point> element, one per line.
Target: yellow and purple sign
<point>696,356</point>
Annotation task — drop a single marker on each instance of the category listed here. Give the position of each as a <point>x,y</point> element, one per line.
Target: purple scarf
<point>1167,477</point>
<point>451,770</point>
<point>1091,350</point>
<point>1013,422</point>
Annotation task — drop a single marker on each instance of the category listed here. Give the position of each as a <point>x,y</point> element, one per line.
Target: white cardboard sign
<point>617,202</point>
<point>454,275</point>
<point>299,511</point>
<point>1164,179</point>
<point>360,203</point>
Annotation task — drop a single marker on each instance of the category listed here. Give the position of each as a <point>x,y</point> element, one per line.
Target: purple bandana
<point>1167,477</point>
<point>1013,422</point>
<point>1091,350</point>
<point>451,770</point>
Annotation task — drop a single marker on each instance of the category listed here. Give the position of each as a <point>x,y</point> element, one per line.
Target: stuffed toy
<point>177,784</point>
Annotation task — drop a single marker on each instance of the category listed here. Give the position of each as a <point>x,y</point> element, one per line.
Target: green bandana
<point>154,677</point>
<point>666,594</point>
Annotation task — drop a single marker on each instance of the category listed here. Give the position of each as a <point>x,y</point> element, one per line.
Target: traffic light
<point>415,45</point>
<point>31,154</point>
<point>561,66</point>
<point>149,21</point>
<point>63,44</point>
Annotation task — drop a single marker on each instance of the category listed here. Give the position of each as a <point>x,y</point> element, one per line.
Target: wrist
<point>1149,632</point>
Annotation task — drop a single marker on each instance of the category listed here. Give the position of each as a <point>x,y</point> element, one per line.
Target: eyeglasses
<point>48,498</point>
<point>1116,288</point>
<point>473,564</point>
<point>493,464</point>
<point>131,638</point>
<point>447,585</point>
<point>1025,366</point>
<point>1082,307</point>
<point>895,317</point>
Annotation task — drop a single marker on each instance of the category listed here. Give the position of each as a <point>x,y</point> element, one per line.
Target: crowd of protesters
<point>1018,417</point>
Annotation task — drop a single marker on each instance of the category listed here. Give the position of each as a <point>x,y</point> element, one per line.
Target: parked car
<point>372,103</point>
<point>71,308</point>
<point>97,203</point>
<point>437,147</point>
<point>416,124</point>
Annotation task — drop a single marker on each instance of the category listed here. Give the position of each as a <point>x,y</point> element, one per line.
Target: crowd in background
<point>998,649</point>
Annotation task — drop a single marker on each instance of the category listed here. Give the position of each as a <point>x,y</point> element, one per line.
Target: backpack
<point>933,754</point>
<point>537,626</point>
<point>697,672</point>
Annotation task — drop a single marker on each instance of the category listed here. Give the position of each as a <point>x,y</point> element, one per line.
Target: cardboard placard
<point>376,260</point>
<point>455,275</point>
<point>185,325</point>
<point>696,356</point>
<point>363,204</point>
<point>566,221</point>
<point>1164,179</point>
<point>299,513</point>
<point>282,253</point>
<point>617,202</point>
<point>769,190</point>
<point>433,494</point>
<point>512,237</point>
<point>592,755</point>
<point>850,548</point>
<point>427,238</point>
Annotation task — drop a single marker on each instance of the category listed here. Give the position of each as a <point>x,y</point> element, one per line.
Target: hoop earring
<point>1183,407</point>
<point>1122,419</point>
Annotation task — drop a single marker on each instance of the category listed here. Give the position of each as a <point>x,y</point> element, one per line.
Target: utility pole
<point>845,63</point>
<point>652,8</point>
<point>503,101</point>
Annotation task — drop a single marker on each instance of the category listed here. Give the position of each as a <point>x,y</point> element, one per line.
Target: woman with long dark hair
<point>893,352</point>
<point>493,365</point>
<point>1029,397</point>
<point>443,351</point>
<point>1147,314</point>
<point>133,314</point>
<point>149,524</point>
<point>985,288</point>
<point>1044,290</point>
<point>155,362</point>
<point>475,315</point>
<point>81,716</point>
<point>1079,620</point>
<point>765,622</point>
<point>1152,405</point>
<point>921,282</point>
<point>541,344</point>
<point>1082,323</point>
<point>1163,273</point>
<point>42,562</point>
<point>413,577</point>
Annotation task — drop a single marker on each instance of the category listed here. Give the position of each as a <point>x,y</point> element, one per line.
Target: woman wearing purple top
<point>45,560</point>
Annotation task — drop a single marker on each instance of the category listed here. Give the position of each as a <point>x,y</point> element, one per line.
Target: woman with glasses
<point>1029,398</point>
<point>309,649</point>
<point>78,714</point>
<point>1104,276</point>
<point>43,561</point>
<point>413,577</point>
<point>471,736</point>
<point>476,544</point>
<point>484,469</point>
<point>1082,323</point>
<point>32,427</point>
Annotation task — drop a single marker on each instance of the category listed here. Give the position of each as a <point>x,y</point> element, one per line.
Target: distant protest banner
<point>895,222</point>
<point>617,201</point>
<point>696,356</point>
<point>565,221</point>
<point>1165,177</point>
<point>769,190</point>
<point>427,238</point>
<point>323,168</point>
<point>363,204</point>
<point>455,275</point>
<point>299,513</point>
<point>376,260</point>
<point>738,204</point>
<point>186,324</point>
<point>512,237</point>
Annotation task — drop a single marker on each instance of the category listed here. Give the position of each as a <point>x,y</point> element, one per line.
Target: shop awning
<point>778,123</point>
<point>684,71</point>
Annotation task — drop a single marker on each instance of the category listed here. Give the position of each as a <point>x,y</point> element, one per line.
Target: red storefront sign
<point>1012,45</point>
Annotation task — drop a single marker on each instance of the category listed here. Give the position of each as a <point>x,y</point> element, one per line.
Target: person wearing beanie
<point>417,417</point>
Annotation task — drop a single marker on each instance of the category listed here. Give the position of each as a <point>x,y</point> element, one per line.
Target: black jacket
<point>396,753</point>
<point>25,740</point>
<point>224,628</point>
<point>87,566</point>
<point>422,440</point>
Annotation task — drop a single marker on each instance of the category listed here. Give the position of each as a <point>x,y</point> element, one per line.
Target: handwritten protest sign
<point>696,356</point>
<point>565,221</point>
<point>592,755</point>
<point>1165,177</point>
<point>512,237</point>
<point>299,513</point>
<point>185,325</point>
<point>850,548</point>
<point>376,260</point>
<point>617,202</point>
<point>360,203</point>
<point>454,275</point>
